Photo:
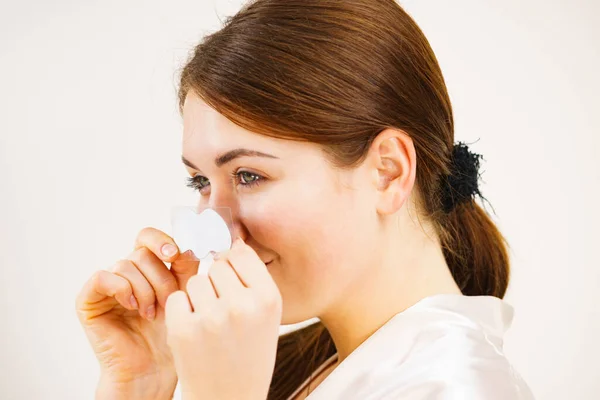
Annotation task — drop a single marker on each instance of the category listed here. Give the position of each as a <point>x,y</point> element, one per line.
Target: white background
<point>90,154</point>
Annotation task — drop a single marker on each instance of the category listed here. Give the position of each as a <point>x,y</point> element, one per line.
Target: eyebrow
<point>230,156</point>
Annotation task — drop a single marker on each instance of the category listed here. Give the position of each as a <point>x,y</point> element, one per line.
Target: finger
<point>158,242</point>
<point>224,279</point>
<point>183,268</point>
<point>101,286</point>
<point>156,273</point>
<point>252,272</point>
<point>142,290</point>
<point>201,293</point>
<point>177,308</point>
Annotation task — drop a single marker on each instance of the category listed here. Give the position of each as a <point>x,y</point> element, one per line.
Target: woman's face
<point>311,223</point>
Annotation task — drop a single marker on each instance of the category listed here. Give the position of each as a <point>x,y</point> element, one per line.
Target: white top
<point>444,347</point>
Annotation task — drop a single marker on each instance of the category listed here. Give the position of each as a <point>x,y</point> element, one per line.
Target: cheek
<point>317,232</point>
<point>314,237</point>
<point>319,240</point>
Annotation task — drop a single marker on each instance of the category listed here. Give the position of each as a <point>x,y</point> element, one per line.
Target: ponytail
<point>475,251</point>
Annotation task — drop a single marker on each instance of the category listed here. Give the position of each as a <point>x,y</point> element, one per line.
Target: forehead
<point>204,128</point>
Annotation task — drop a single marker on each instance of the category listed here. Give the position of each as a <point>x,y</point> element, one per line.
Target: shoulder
<point>457,363</point>
<point>449,365</point>
<point>444,348</point>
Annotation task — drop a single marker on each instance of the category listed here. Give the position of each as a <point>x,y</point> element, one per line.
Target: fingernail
<point>150,313</point>
<point>168,250</point>
<point>215,255</point>
<point>133,302</point>
<point>238,241</point>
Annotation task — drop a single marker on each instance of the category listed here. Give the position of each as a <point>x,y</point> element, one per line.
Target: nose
<point>227,207</point>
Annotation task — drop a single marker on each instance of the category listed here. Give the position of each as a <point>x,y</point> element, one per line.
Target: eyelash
<point>194,182</point>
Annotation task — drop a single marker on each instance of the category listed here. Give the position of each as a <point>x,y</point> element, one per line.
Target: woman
<point>353,205</point>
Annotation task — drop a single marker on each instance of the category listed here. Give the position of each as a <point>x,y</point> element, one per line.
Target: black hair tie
<point>463,182</point>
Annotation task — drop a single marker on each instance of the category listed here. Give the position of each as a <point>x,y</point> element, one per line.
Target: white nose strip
<point>200,232</point>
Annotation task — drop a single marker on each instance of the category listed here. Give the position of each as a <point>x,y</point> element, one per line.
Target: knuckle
<point>97,276</point>
<point>121,266</point>
<point>145,296</point>
<point>271,303</point>
<point>143,234</point>
<point>166,283</point>
<point>98,279</point>
<point>143,255</point>
<point>213,322</point>
<point>81,314</point>
<point>240,309</point>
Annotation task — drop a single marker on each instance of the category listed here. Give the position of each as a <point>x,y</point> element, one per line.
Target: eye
<point>246,180</point>
<point>198,182</point>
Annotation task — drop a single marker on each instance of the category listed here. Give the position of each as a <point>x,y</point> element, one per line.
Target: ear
<point>393,159</point>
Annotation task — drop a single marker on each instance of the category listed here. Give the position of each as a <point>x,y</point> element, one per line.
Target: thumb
<point>184,267</point>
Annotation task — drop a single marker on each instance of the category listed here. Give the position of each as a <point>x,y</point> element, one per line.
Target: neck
<point>410,267</point>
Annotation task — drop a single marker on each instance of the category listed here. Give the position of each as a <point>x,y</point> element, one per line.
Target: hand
<point>122,313</point>
<point>223,332</point>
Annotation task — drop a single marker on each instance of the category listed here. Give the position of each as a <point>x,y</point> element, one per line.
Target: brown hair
<point>336,73</point>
